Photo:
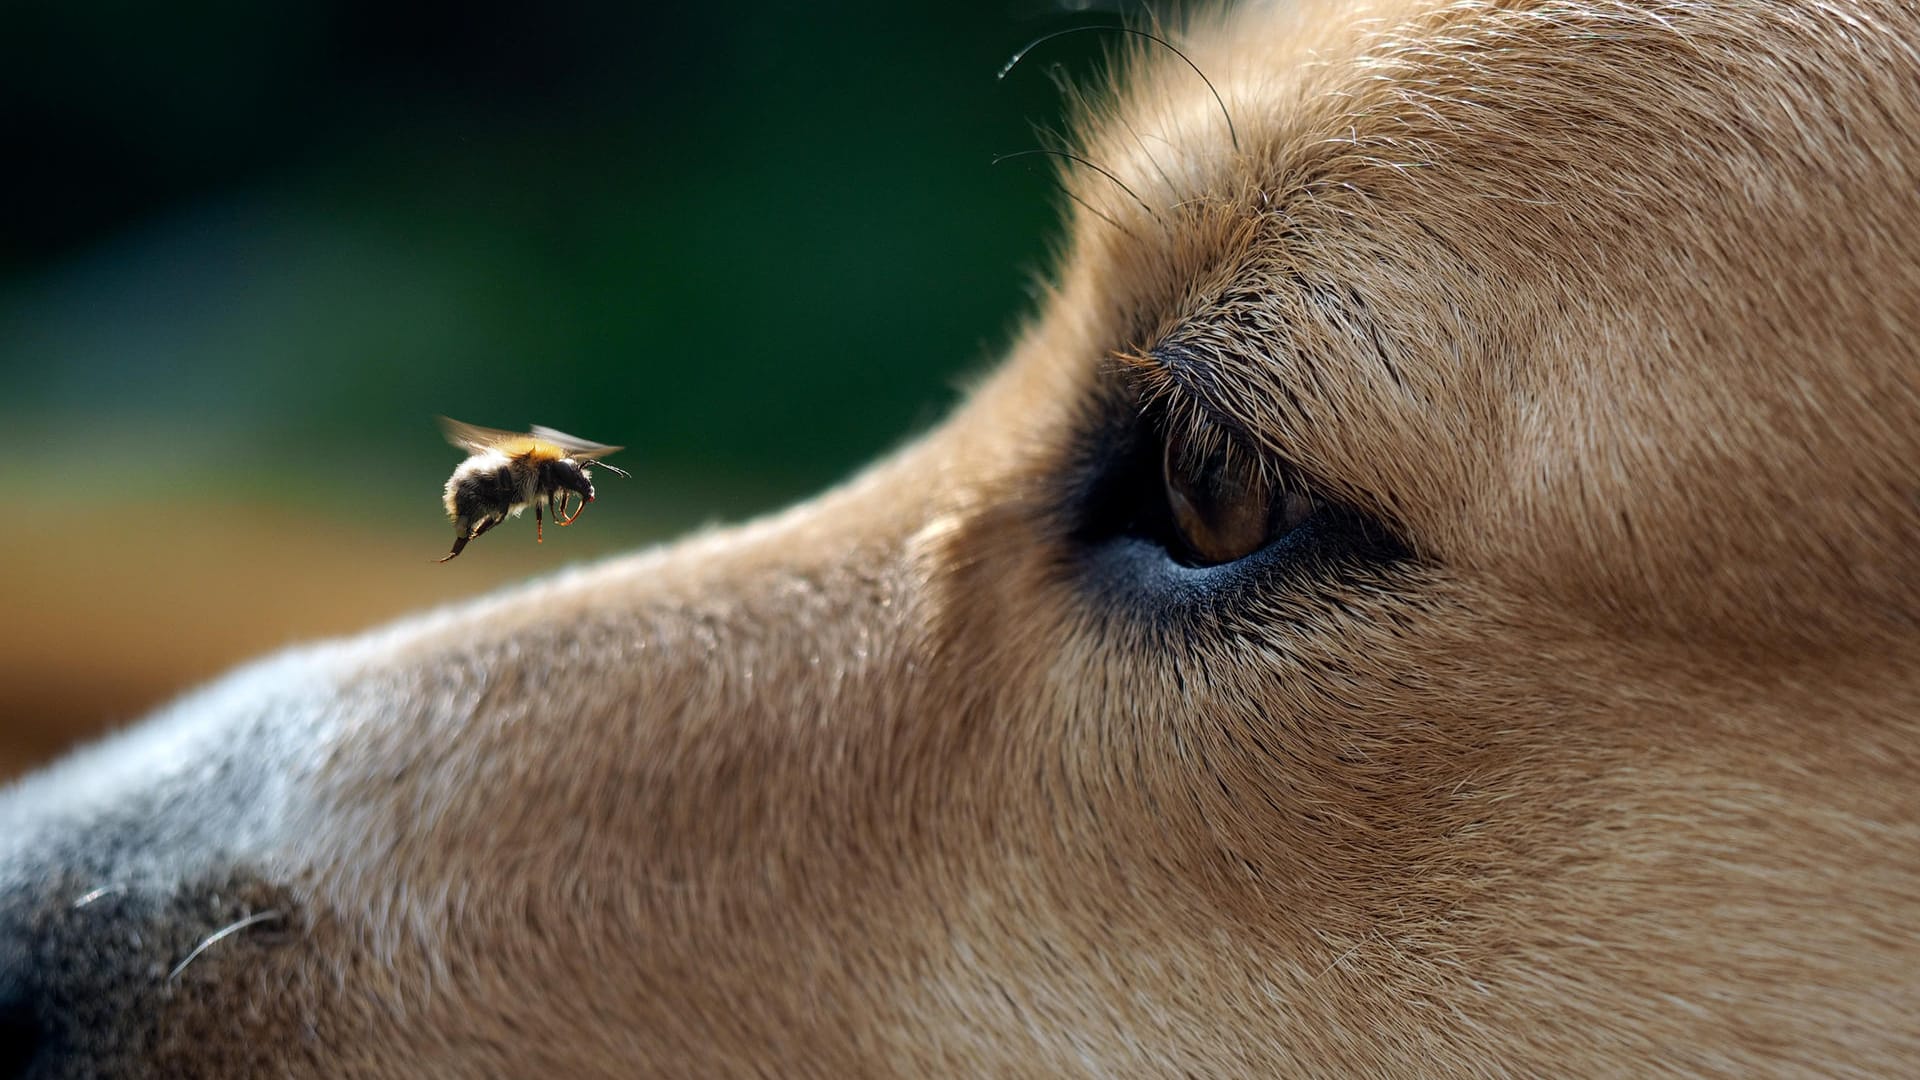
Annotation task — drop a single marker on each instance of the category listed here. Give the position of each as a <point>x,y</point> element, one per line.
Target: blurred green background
<point>251,249</point>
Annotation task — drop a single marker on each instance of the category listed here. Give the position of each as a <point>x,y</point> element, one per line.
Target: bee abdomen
<point>482,486</point>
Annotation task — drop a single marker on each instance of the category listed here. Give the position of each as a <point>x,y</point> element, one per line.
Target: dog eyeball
<point>1225,505</point>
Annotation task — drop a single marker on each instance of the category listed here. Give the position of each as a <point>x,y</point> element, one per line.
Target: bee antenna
<point>614,469</point>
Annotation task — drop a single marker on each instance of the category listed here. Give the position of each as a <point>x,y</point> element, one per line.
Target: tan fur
<point>1610,308</point>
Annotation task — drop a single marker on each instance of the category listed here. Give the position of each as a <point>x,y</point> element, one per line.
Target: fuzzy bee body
<point>507,472</point>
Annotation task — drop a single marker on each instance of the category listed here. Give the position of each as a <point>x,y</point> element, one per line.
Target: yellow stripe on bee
<point>529,447</point>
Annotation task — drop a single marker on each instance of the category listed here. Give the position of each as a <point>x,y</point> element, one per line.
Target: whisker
<point>224,932</point>
<point>1102,215</point>
<point>1070,156</point>
<point>90,897</point>
<point>1232,132</point>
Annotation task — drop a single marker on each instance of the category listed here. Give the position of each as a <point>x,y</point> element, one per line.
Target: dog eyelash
<point>1175,412</point>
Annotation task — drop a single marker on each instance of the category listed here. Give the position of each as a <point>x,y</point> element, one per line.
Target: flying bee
<point>509,471</point>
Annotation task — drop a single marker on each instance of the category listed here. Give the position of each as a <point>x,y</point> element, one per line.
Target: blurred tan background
<point>250,250</point>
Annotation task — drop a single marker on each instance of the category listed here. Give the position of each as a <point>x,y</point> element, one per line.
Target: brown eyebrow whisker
<point>1175,374</point>
<point>1232,133</point>
<point>1071,156</point>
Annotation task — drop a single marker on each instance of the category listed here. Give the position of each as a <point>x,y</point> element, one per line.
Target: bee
<point>509,471</point>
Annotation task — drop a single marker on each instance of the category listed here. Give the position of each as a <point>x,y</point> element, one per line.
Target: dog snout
<point>68,975</point>
<point>67,954</point>
<point>117,865</point>
<point>106,966</point>
<point>233,880</point>
<point>45,969</point>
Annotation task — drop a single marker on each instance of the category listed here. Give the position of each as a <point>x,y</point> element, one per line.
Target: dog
<point>1433,591</point>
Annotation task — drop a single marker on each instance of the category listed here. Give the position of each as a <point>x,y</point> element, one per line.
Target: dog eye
<point>1224,502</point>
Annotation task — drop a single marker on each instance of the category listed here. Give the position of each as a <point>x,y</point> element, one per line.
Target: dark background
<point>249,251</point>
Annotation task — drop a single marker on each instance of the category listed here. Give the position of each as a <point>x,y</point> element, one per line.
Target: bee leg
<point>458,543</point>
<point>539,526</point>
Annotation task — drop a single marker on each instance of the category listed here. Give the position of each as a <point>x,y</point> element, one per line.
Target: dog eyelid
<point>1187,382</point>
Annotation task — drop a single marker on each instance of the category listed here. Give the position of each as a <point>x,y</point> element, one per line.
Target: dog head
<point>1434,589</point>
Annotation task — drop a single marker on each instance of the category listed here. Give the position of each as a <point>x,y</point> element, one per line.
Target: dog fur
<point>1606,310</point>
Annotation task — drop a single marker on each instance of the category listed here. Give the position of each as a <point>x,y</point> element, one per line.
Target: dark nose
<point>22,1037</point>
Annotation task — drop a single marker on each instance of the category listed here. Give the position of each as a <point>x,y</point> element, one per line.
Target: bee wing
<point>476,439</point>
<point>579,448</point>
